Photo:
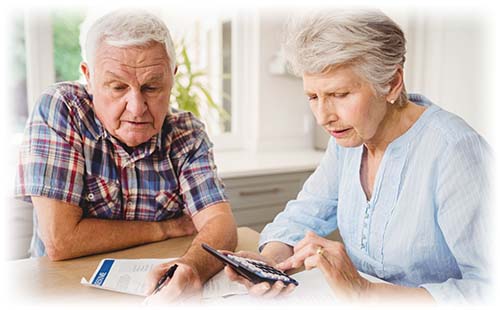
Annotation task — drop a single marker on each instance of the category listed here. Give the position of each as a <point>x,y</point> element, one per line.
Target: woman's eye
<point>340,95</point>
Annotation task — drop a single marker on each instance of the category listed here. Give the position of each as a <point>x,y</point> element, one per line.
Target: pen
<point>163,280</point>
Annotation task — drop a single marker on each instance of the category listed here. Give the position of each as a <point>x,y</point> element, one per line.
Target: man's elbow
<point>57,249</point>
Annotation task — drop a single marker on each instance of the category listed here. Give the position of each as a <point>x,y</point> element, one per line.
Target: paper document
<point>312,289</point>
<point>129,275</point>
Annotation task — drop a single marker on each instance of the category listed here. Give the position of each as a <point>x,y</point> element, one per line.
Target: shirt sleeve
<point>314,209</point>
<point>51,163</point>
<point>463,188</point>
<point>199,183</point>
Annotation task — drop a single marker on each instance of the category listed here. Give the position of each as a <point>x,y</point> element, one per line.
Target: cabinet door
<point>257,200</point>
<point>20,230</point>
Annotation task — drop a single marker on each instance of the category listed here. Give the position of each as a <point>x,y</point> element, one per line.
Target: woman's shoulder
<point>442,126</point>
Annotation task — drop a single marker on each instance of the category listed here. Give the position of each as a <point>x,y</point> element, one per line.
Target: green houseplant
<point>190,92</point>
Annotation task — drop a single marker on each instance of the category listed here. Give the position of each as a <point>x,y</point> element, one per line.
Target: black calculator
<point>253,270</point>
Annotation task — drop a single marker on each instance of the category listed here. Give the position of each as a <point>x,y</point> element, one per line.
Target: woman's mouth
<point>339,133</point>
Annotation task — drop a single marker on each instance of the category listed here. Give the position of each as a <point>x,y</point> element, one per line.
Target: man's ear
<point>84,67</point>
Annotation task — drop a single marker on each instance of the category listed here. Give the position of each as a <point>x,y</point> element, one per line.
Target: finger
<point>308,238</point>
<point>286,264</point>
<point>275,290</point>
<point>234,276</point>
<point>154,276</point>
<point>259,289</point>
<point>311,262</point>
<point>175,286</point>
<point>297,259</point>
<point>289,288</point>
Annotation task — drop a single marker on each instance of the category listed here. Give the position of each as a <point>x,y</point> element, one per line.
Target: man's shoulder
<point>184,121</point>
<point>185,131</point>
<point>65,96</point>
<point>65,104</point>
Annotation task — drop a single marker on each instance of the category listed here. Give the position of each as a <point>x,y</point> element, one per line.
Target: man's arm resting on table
<point>66,234</point>
<point>216,226</point>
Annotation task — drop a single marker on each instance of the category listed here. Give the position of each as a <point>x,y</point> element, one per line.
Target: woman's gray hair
<point>125,28</point>
<point>366,39</point>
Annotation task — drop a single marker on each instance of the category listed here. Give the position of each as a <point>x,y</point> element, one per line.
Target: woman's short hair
<point>366,39</point>
<point>125,28</point>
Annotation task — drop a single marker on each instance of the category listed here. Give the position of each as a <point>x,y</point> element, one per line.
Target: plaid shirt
<point>68,155</point>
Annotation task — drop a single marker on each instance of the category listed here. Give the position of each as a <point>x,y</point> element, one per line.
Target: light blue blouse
<point>426,224</point>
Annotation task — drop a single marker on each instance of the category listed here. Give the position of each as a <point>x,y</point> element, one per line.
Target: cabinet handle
<point>260,192</point>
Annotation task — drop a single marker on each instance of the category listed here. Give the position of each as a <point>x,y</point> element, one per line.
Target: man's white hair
<point>124,28</point>
<point>366,39</point>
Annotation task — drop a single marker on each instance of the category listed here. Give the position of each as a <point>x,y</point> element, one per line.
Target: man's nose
<point>136,103</point>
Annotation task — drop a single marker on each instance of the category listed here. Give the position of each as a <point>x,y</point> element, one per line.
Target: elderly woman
<point>403,180</point>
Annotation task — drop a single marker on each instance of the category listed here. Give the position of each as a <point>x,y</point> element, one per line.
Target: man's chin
<point>135,141</point>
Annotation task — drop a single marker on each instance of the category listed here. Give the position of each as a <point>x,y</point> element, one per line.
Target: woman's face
<point>345,105</point>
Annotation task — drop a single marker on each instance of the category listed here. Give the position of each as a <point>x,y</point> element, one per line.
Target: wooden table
<point>40,280</point>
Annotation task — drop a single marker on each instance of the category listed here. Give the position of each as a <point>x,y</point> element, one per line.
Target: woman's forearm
<point>394,293</point>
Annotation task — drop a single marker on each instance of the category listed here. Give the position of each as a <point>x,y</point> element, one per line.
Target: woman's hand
<point>184,284</point>
<point>262,289</point>
<point>332,260</point>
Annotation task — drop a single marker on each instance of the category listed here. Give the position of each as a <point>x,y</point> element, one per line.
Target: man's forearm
<point>220,233</point>
<point>91,236</point>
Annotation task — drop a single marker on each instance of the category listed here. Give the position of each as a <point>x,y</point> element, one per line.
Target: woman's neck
<point>396,122</point>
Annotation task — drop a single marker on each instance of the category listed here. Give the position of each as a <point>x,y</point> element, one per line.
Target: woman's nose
<point>325,113</point>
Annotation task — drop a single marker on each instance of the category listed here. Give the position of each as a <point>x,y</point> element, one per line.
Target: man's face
<point>131,90</point>
<point>345,105</point>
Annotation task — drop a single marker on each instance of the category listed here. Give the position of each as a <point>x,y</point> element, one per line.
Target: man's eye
<point>119,87</point>
<point>150,88</point>
<point>312,97</point>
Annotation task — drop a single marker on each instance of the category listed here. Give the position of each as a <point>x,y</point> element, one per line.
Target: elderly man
<point>108,166</point>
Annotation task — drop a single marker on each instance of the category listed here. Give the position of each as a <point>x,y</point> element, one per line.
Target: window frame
<point>244,93</point>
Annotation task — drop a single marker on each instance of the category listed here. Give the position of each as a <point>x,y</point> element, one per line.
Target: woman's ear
<point>396,85</point>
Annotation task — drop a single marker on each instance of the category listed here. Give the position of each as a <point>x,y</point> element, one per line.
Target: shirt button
<point>129,203</point>
<point>90,196</point>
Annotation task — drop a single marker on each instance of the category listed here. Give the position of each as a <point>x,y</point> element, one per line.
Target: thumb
<point>286,264</point>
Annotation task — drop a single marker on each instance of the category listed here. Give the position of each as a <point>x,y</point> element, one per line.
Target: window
<point>53,54</point>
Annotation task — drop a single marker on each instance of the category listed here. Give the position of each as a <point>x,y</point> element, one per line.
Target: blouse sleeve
<point>463,214</point>
<point>314,209</point>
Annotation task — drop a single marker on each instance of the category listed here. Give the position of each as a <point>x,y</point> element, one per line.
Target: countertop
<point>233,164</point>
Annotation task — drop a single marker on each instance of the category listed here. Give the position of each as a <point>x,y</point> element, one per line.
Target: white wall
<point>285,121</point>
<point>445,62</point>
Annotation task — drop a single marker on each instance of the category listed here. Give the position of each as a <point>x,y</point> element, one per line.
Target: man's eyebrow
<point>154,78</point>
<point>111,75</point>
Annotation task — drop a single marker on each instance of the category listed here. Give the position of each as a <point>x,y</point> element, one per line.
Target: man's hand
<point>262,289</point>
<point>185,283</point>
<point>216,227</point>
